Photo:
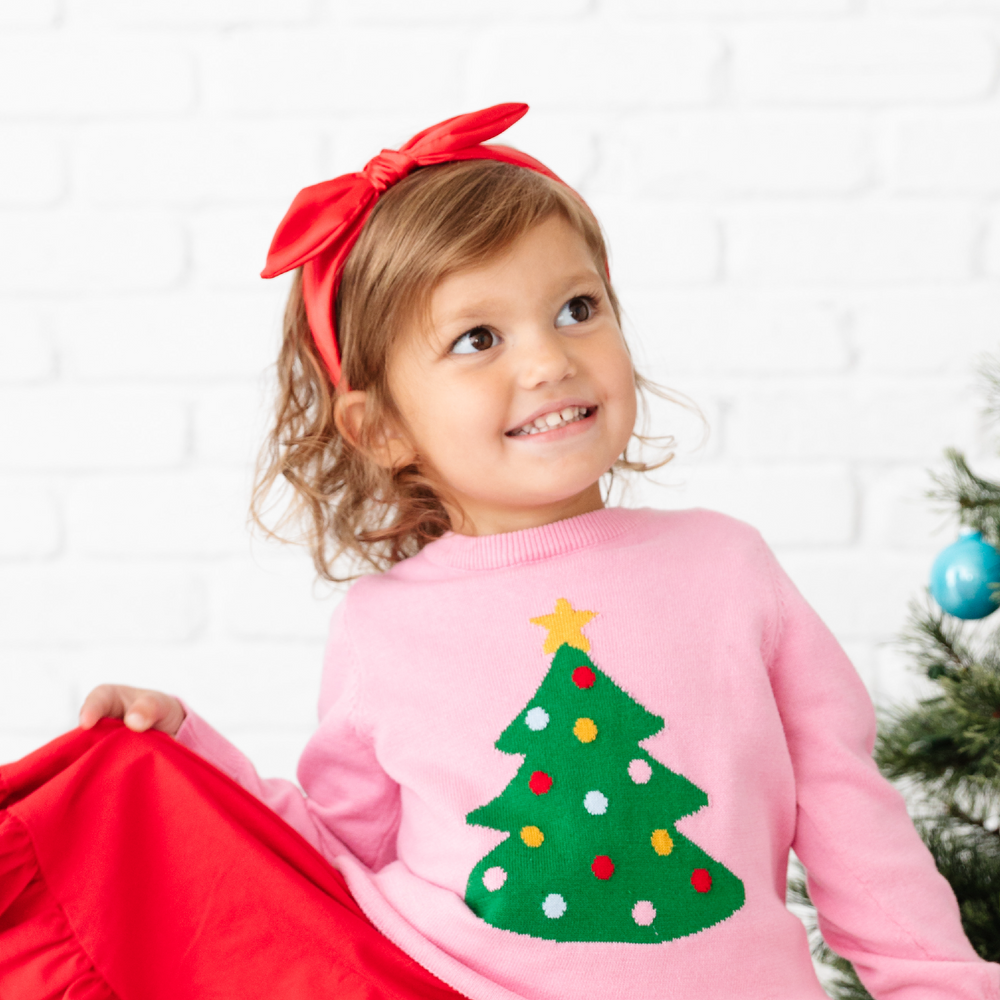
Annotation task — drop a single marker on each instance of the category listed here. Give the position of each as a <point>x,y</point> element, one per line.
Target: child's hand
<point>140,709</point>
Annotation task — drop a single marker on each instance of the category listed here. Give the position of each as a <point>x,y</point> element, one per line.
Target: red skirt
<point>131,868</point>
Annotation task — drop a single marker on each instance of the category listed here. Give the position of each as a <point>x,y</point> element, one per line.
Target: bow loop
<point>317,216</point>
<point>464,131</point>
<point>389,167</point>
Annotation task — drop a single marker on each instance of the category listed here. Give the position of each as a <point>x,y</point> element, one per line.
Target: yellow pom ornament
<point>661,842</point>
<point>585,730</point>
<point>532,836</point>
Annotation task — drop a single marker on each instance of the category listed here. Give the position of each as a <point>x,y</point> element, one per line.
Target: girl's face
<point>530,335</point>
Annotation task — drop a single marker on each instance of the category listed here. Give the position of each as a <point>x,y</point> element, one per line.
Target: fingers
<point>141,713</point>
<point>104,700</point>
<point>154,710</point>
<point>140,710</point>
<point>145,710</point>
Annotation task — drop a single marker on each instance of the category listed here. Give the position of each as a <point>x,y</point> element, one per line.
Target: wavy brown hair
<point>435,222</point>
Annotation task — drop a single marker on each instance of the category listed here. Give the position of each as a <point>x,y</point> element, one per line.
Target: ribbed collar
<point>531,544</point>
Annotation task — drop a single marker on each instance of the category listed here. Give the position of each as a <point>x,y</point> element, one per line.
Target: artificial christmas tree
<point>947,747</point>
<point>593,853</point>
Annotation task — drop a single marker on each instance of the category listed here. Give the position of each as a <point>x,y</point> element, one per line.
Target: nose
<point>543,355</point>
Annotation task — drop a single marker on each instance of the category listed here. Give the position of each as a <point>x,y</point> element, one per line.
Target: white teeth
<point>557,418</point>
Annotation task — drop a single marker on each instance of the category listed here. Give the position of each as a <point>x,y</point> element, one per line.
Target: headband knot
<point>390,166</point>
<point>325,219</point>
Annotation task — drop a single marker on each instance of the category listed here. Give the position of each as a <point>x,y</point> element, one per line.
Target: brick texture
<point>94,74</point>
<point>867,61</point>
<point>741,153</point>
<point>33,167</point>
<point>800,201</point>
<point>26,349</point>
<point>853,244</point>
<point>641,65</point>
<point>71,251</point>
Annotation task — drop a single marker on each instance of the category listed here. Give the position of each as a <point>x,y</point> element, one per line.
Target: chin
<point>558,494</point>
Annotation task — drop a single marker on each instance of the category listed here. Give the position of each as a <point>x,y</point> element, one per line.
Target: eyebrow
<point>475,311</point>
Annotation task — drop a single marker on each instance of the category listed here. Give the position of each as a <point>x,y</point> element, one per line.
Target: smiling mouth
<point>542,425</point>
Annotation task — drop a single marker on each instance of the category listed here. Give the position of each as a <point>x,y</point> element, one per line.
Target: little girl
<point>564,749</point>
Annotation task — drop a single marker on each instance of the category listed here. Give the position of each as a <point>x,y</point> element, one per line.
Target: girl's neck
<point>479,518</point>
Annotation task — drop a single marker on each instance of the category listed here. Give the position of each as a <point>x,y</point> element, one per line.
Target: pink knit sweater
<point>569,762</point>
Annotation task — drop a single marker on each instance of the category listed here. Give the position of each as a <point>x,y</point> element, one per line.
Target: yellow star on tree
<point>564,625</point>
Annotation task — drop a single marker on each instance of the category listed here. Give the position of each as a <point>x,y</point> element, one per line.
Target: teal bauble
<point>962,574</point>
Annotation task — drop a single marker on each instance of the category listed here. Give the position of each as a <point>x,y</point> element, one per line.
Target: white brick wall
<point>801,198</point>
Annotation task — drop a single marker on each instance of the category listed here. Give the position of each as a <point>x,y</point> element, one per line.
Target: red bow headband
<point>325,220</point>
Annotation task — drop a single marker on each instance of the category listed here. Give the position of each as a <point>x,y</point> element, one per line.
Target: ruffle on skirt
<point>40,956</point>
<point>132,869</point>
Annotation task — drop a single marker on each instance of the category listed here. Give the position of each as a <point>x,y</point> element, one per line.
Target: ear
<point>389,449</point>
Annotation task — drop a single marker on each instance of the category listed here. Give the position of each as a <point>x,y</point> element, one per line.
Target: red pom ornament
<point>701,880</point>
<point>603,867</point>
<point>540,782</point>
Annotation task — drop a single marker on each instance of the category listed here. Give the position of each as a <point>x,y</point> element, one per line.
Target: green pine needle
<point>977,499</point>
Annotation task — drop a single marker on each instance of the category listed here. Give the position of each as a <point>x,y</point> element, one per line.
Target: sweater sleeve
<point>881,902</point>
<point>346,800</point>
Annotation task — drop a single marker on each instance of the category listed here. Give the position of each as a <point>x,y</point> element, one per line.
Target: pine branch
<point>977,499</point>
<point>969,858</point>
<point>935,640</point>
<point>988,367</point>
<point>957,812</point>
<point>950,743</point>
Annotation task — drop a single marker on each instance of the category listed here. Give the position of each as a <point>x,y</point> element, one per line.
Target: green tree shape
<point>551,890</point>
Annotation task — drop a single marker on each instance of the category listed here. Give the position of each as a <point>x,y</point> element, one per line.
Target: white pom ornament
<point>536,719</point>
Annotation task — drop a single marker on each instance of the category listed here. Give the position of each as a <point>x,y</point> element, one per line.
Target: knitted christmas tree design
<point>592,852</point>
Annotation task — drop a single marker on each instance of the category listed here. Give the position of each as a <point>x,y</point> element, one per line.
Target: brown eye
<point>479,339</point>
<point>575,311</point>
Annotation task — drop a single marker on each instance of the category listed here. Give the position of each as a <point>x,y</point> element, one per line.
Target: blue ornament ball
<point>962,574</point>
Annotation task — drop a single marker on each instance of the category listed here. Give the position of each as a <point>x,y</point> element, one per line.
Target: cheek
<point>456,424</point>
<point>624,406</point>
<point>619,377</point>
<point>623,417</point>
<point>629,404</point>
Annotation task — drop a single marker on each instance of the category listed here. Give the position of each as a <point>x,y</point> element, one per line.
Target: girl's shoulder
<point>698,527</point>
<point>703,546</point>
